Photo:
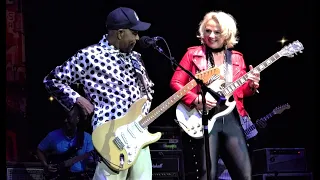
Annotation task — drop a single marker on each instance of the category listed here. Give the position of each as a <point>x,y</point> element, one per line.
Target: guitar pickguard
<point>132,138</point>
<point>190,120</point>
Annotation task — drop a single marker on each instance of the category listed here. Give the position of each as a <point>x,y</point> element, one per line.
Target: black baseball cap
<point>125,18</point>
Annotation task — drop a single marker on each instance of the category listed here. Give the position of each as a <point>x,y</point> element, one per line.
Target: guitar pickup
<point>118,143</point>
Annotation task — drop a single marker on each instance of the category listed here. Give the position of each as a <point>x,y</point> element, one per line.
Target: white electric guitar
<point>250,128</point>
<point>119,141</point>
<point>190,120</point>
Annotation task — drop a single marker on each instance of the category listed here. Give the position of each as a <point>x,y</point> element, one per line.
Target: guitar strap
<point>143,79</point>
<point>72,150</point>
<point>79,138</point>
<point>75,112</point>
<point>227,67</point>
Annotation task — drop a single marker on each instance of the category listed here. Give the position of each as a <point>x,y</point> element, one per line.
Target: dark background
<point>55,30</point>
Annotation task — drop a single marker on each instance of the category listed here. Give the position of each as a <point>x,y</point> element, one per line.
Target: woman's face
<point>212,35</point>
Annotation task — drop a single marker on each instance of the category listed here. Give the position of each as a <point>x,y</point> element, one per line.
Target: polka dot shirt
<point>108,77</point>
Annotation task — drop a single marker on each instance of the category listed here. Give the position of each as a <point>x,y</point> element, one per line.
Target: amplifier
<point>170,139</point>
<point>166,144</point>
<point>283,176</point>
<point>24,171</point>
<point>192,153</point>
<point>165,176</point>
<point>167,164</point>
<point>192,176</point>
<point>279,160</point>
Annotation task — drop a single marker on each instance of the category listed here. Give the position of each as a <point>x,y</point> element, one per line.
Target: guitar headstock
<point>207,74</point>
<point>291,49</point>
<point>280,109</point>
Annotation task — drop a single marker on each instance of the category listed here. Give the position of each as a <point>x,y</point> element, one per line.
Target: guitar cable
<point>107,162</point>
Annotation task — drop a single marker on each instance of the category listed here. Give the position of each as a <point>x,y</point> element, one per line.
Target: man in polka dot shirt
<point>113,77</point>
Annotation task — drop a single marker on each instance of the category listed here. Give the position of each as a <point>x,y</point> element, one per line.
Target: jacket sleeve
<point>245,90</point>
<point>180,78</point>
<point>58,81</point>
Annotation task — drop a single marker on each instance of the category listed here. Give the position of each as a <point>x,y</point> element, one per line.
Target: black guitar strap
<point>80,139</point>
<point>78,112</point>
<point>228,56</point>
<point>71,151</point>
<point>228,63</point>
<point>143,79</point>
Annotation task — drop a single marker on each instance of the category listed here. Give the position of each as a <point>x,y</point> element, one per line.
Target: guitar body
<point>190,120</point>
<point>248,127</point>
<point>58,160</point>
<point>119,141</point>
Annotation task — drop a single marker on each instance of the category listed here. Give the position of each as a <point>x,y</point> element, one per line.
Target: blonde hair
<point>228,26</point>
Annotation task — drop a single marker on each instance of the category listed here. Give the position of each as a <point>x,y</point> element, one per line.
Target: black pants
<point>227,140</point>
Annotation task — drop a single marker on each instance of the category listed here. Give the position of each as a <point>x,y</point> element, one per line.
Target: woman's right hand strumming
<point>210,102</point>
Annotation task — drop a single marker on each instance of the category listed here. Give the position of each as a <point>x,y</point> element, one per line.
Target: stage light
<point>51,98</point>
<point>283,40</point>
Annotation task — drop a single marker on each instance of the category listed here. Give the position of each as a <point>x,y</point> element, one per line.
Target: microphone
<point>146,41</point>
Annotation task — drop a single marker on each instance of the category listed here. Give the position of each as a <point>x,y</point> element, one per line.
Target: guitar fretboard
<point>253,126</point>
<point>239,82</point>
<point>154,114</point>
<point>266,117</point>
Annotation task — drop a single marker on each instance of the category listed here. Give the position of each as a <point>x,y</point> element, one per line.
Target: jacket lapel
<point>199,58</point>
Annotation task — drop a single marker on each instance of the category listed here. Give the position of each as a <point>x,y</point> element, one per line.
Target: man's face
<point>127,39</point>
<point>70,125</point>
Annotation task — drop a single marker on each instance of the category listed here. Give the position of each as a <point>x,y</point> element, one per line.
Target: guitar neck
<point>265,118</point>
<point>239,82</point>
<point>256,124</point>
<point>80,157</point>
<point>154,114</point>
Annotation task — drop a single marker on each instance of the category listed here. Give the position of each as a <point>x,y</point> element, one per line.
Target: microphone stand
<point>205,114</point>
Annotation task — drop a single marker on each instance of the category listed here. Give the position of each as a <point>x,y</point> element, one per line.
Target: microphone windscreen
<point>143,41</point>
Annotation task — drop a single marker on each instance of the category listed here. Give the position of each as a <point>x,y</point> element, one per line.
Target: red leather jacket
<point>193,60</point>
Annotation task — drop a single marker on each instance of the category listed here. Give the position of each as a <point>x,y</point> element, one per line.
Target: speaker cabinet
<point>24,171</point>
<point>279,160</point>
<point>283,176</point>
<point>167,164</point>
